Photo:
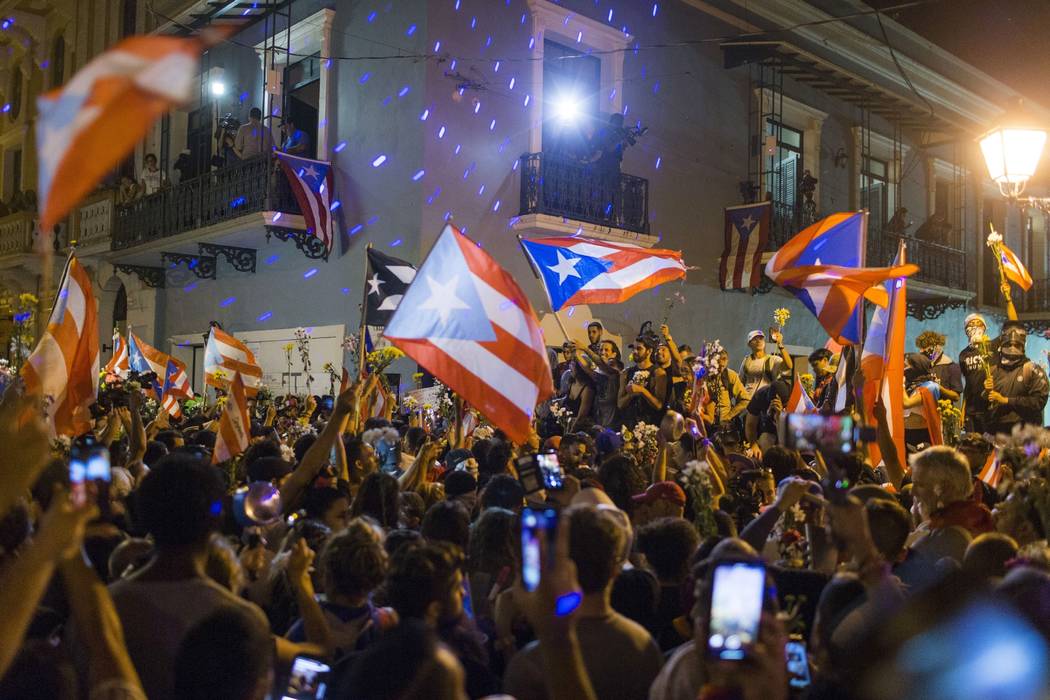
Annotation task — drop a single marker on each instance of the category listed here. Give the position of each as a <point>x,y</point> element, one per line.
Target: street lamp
<point>1012,149</point>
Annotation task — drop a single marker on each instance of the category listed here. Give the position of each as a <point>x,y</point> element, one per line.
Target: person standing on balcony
<point>759,369</point>
<point>253,138</point>
<point>296,141</point>
<point>152,179</point>
<point>947,372</point>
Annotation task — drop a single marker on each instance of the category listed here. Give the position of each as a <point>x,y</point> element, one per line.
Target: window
<point>16,93</point>
<point>783,166</point>
<point>571,84</point>
<point>874,192</point>
<point>58,61</point>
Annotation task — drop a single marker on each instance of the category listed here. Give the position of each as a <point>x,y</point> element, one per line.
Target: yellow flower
<point>27,299</point>
<point>288,347</point>
<point>782,316</point>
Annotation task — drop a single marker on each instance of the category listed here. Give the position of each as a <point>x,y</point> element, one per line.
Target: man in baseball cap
<point>661,500</point>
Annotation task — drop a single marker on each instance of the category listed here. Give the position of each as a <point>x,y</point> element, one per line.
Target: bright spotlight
<point>567,108</point>
<point>218,88</point>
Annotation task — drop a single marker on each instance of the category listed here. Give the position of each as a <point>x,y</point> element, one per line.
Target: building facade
<point>480,112</point>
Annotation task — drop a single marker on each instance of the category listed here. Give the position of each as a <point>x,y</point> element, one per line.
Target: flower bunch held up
<point>642,443</point>
<point>951,421</point>
<point>302,341</point>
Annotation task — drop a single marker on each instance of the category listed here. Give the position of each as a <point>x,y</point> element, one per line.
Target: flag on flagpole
<point>583,271</point>
<point>176,386</point>
<point>143,358</point>
<point>234,426</point>
<point>823,267</point>
<point>89,125</point>
<point>882,361</point>
<point>847,367</point>
<point>799,401</point>
<point>226,357</point>
<point>991,473</point>
<point>118,364</point>
<point>1014,269</point>
<point>746,237</point>
<point>388,279</point>
<point>467,322</point>
<point>64,365</point>
<point>311,183</point>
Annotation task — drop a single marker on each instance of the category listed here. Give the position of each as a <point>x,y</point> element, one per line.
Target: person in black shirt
<point>947,372</point>
<point>825,388</point>
<point>1018,387</point>
<point>764,409</point>
<point>974,372</point>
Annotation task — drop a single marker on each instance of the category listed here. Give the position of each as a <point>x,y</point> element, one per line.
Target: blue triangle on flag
<point>564,272</point>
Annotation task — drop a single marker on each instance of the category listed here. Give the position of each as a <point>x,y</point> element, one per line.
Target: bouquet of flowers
<point>640,377</point>
<point>302,341</point>
<point>781,316</point>
<point>641,443</point>
<point>696,482</point>
<point>409,403</point>
<point>807,382</point>
<point>951,421</point>
<point>379,360</point>
<point>193,406</point>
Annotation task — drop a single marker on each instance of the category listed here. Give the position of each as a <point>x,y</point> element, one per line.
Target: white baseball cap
<point>755,334</point>
<point>975,317</point>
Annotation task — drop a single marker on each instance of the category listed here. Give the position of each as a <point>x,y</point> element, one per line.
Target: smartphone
<point>797,663</point>
<point>737,593</point>
<point>328,402</point>
<point>308,680</point>
<point>809,431</point>
<point>540,471</point>
<point>534,525</point>
<point>89,473</point>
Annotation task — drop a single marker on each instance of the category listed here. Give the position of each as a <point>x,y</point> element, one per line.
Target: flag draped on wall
<point>467,322</point>
<point>746,237</point>
<point>64,365</point>
<point>583,271</point>
<point>311,182</point>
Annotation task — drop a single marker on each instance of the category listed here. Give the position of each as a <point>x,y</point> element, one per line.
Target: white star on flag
<point>565,268</point>
<point>443,297</point>
<point>310,172</point>
<point>373,285</point>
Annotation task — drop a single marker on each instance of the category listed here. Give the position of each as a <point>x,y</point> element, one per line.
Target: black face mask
<point>1012,346</point>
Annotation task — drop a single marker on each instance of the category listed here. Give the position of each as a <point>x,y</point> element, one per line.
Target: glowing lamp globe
<point>566,108</point>
<point>1012,150</point>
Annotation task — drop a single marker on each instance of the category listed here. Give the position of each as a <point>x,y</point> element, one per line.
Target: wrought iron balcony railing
<point>228,193</point>
<point>939,264</point>
<point>1035,300</point>
<point>562,187</point>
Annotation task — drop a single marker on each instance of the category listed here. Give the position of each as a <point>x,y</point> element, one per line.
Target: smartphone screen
<point>797,664</point>
<point>535,524</point>
<point>807,432</point>
<point>89,471</point>
<point>550,471</point>
<point>308,680</point>
<point>77,477</point>
<point>737,592</point>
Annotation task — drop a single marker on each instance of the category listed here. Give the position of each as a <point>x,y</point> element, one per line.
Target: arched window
<point>129,18</point>
<point>58,61</point>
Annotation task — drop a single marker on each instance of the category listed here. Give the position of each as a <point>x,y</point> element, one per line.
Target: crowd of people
<point>351,555</point>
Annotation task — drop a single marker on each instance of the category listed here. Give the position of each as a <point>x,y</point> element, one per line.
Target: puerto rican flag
<point>176,386</point>
<point>311,182</point>
<point>467,322</point>
<point>226,357</point>
<point>584,271</point>
<point>798,400</point>
<point>118,364</point>
<point>234,425</point>
<point>144,358</point>
<point>991,473</point>
<point>746,237</point>
<point>1014,269</point>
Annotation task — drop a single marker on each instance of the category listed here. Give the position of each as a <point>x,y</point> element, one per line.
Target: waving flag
<point>234,426</point>
<point>118,364</point>
<point>226,357</point>
<point>991,473</point>
<point>64,364</point>
<point>311,182</point>
<point>799,401</point>
<point>88,126</point>
<point>746,236</point>
<point>467,322</point>
<point>882,360</point>
<point>176,386</point>
<point>584,271</point>
<point>1014,269</point>
<point>146,358</point>
<point>823,267</point>
<point>388,278</point>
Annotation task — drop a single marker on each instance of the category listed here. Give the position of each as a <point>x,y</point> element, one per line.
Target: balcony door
<point>874,193</point>
<point>303,82</point>
<point>571,86</point>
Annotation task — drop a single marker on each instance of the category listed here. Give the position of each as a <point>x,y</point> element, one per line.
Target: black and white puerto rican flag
<point>388,278</point>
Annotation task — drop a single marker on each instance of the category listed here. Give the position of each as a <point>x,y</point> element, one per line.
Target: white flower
<point>640,377</point>
<point>994,237</point>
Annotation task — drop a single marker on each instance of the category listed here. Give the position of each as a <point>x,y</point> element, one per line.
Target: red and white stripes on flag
<point>64,365</point>
<point>799,401</point>
<point>1014,269</point>
<point>991,473</point>
<point>746,236</point>
<point>311,183</point>
<point>118,364</point>
<point>176,386</point>
<point>226,357</point>
<point>234,426</point>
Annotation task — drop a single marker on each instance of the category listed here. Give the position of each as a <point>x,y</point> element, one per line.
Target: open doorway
<point>303,98</point>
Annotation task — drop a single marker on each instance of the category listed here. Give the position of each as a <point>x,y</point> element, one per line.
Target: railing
<point>579,191</point>
<point>1035,300</point>
<point>228,193</point>
<point>938,264</point>
<point>16,233</point>
<point>94,219</point>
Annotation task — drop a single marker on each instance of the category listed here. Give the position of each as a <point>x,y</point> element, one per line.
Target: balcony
<point>16,234</point>
<point>557,186</point>
<point>217,197</point>
<point>939,264</point>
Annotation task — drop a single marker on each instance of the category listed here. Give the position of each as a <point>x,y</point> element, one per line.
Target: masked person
<point>1018,388</point>
<point>975,371</point>
<point>920,399</point>
<point>947,371</point>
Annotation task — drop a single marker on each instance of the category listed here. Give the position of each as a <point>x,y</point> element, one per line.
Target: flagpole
<point>1004,284</point>
<point>532,266</point>
<point>364,318</point>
